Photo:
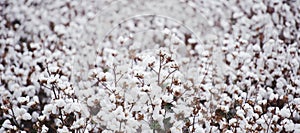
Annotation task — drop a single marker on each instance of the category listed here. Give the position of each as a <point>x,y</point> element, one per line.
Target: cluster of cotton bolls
<point>238,72</point>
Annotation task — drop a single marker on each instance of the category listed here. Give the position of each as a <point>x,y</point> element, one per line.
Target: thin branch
<point>141,81</point>
<point>120,78</point>
<point>179,96</point>
<point>104,85</point>
<point>194,119</point>
<point>159,69</point>
<point>167,76</point>
<point>120,125</point>
<point>53,89</point>
<point>131,107</point>
<point>152,69</point>
<point>115,76</point>
<point>172,81</point>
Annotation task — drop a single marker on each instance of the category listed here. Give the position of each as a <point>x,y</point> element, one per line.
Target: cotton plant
<point>146,87</point>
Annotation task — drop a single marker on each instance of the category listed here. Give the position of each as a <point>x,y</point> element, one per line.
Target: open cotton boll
<point>64,129</point>
<point>48,109</point>
<point>60,29</point>
<point>240,113</point>
<point>60,103</point>
<point>52,79</point>
<point>23,99</point>
<point>26,116</point>
<point>285,112</point>
<point>273,96</point>
<point>289,126</point>
<point>53,69</point>
<point>34,45</point>
<point>167,98</point>
<point>62,85</point>
<point>192,40</point>
<point>297,128</point>
<point>166,31</point>
<point>7,124</point>
<point>44,129</point>
<point>79,123</point>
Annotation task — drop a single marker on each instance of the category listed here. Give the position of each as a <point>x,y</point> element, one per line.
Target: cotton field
<point>155,66</point>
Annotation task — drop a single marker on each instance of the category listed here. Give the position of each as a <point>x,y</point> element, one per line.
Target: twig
<point>167,77</point>
<point>152,69</point>
<point>115,76</point>
<point>120,78</point>
<point>141,81</point>
<point>194,119</point>
<point>104,85</point>
<point>159,69</point>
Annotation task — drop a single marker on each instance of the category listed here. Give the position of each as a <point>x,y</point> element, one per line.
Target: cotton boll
<point>275,118</point>
<point>240,113</point>
<point>23,99</point>
<point>132,123</point>
<point>7,124</point>
<point>60,29</point>
<point>268,47</point>
<point>297,128</point>
<point>75,107</point>
<point>19,112</point>
<point>273,96</point>
<point>143,97</point>
<point>286,33</point>
<point>112,98</point>
<point>176,40</point>
<point>42,118</point>
<point>157,116</point>
<point>146,88</point>
<point>233,121</point>
<point>107,131</point>
<point>260,121</point>
<point>281,82</point>
<point>91,101</point>
<point>295,64</point>
<point>48,109</point>
<point>90,15</point>
<point>167,98</point>
<point>62,86</point>
<point>35,116</point>
<point>52,79</point>
<point>258,109</point>
<point>64,129</point>
<point>157,101</point>
<point>122,40</point>
<point>44,129</point>
<point>1,67</point>
<point>78,123</point>
<point>175,130</point>
<point>248,107</point>
<point>228,131</point>
<point>60,103</point>
<point>26,116</point>
<point>285,112</point>
<point>166,31</point>
<point>289,126</point>
<point>225,108</point>
<point>199,129</point>
<point>192,40</point>
<point>34,45</point>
